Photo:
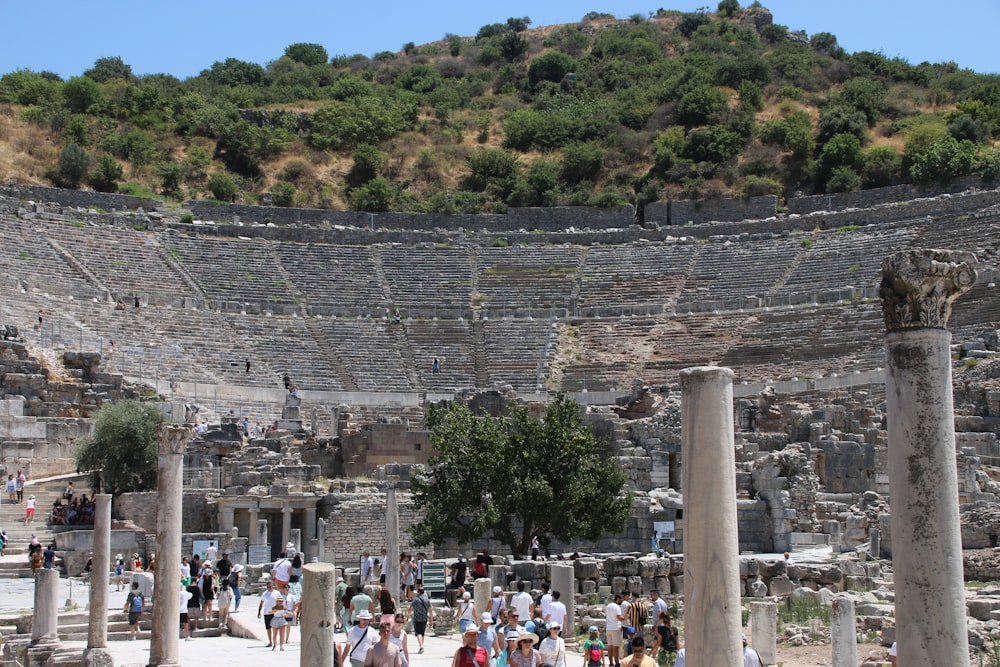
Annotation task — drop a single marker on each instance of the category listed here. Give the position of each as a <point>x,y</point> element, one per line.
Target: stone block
<point>829,574</point>
<point>757,588</point>
<point>587,587</point>
<point>621,565</point>
<point>529,570</point>
<point>646,566</point>
<point>780,586</point>
<point>586,568</point>
<point>772,568</point>
<point>662,585</point>
<point>981,608</point>
<point>676,584</point>
<point>618,584</point>
<point>635,583</point>
<point>803,593</point>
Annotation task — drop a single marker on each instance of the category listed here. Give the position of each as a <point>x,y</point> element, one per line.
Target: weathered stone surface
<point>646,566</point>
<point>621,565</point>
<point>529,569</point>
<point>586,568</point>
<point>780,586</point>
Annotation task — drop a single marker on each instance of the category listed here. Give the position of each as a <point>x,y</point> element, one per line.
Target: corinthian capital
<point>918,286</point>
<point>173,439</point>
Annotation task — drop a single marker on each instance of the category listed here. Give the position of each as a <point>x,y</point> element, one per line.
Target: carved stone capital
<point>919,286</point>
<point>172,439</point>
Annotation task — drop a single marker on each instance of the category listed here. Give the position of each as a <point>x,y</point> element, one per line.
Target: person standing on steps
<point>133,607</point>
<point>248,366</point>
<point>19,483</point>
<point>29,511</point>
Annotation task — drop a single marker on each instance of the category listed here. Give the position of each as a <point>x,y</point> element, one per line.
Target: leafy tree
<point>714,144</point>
<point>234,72</point>
<point>375,196</point>
<point>368,163</point>
<point>515,476</point>
<point>965,127</point>
<point>943,161</point>
<point>283,194</point>
<point>512,46</point>
<point>837,119</point>
<point>455,45</point>
<point>538,187</point>
<point>697,106</point>
<point>881,167</point>
<point>866,95</point>
<point>843,150</point>
<point>107,174</point>
<point>245,147</point>
<point>106,69</point>
<point>825,43</point>
<point>581,161</point>
<point>73,165</point>
<point>222,186</point>
<point>774,33</point>
<point>28,88</point>
<point>493,168</point>
<point>691,21</point>
<point>551,66</point>
<point>843,179</point>
<point>366,120</point>
<point>82,95</point>
<point>728,8</point>
<point>519,24</point>
<point>122,452</point>
<point>170,177</point>
<point>307,54</point>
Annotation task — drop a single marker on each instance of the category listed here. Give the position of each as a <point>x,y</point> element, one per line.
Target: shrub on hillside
<point>837,119</point>
<point>73,166</point>
<point>222,186</point>
<point>107,174</point>
<point>882,166</point>
<point>551,66</point>
<point>943,161</point>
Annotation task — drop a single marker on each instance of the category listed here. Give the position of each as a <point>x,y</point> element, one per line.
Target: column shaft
<point>712,620</point>
<point>45,621</point>
<point>843,634</point>
<point>100,574</point>
<point>164,646</point>
<point>923,483</point>
<point>286,526</point>
<point>318,615</point>
<point>764,625</point>
<point>391,567</point>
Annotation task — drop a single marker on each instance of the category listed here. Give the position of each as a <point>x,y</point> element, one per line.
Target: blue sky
<point>183,37</point>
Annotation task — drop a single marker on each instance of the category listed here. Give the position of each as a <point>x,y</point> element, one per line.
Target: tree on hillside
<point>307,54</point>
<point>517,476</point>
<point>122,451</point>
<point>112,67</point>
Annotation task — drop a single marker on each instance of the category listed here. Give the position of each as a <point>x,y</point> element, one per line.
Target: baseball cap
<point>592,628</point>
<point>486,617</point>
<point>497,589</point>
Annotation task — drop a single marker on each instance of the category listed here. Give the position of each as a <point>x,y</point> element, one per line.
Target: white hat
<point>237,568</point>
<point>497,589</point>
<point>118,556</point>
<point>364,613</point>
<point>555,624</point>
<point>471,630</point>
<point>206,563</point>
<point>487,617</point>
<point>339,579</point>
<point>466,595</point>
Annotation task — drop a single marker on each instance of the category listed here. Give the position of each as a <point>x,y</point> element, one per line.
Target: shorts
<point>133,617</point>
<point>194,613</point>
<point>184,620</point>
<point>267,620</point>
<point>614,638</point>
<point>31,512</point>
<point>419,628</point>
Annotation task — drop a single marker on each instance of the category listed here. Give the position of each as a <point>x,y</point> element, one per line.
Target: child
<point>593,649</point>
<point>225,599</point>
<point>278,623</point>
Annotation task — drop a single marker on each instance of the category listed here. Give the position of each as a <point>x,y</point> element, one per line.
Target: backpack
<point>136,603</point>
<point>670,643</point>
<point>595,652</point>
<point>234,579</point>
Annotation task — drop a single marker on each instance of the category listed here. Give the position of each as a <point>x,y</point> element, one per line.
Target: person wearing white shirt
<point>557,611</point>
<point>681,660</point>
<point>659,604</point>
<point>545,600</point>
<point>360,639</point>
<point>552,647</point>
<point>750,656</point>
<point>522,602</point>
<point>613,618</point>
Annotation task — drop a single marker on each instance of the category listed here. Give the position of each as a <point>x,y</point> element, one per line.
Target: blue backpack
<point>136,603</point>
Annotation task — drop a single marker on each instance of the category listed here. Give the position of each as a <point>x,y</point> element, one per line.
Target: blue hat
<point>629,630</point>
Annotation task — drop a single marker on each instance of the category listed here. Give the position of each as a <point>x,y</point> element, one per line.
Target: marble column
<point>164,645</point>
<point>295,539</point>
<point>321,540</point>
<point>764,628</point>
<point>100,575</point>
<point>712,618</point>
<point>45,617</point>
<point>564,581</point>
<point>254,516</point>
<point>286,526</point>
<point>261,532</point>
<point>843,634</point>
<point>917,291</point>
<point>391,568</point>
<point>227,518</point>
<point>309,535</point>
<point>874,542</point>
<point>482,590</point>
<point>318,615</point>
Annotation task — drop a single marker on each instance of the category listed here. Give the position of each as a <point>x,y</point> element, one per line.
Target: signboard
<point>258,554</point>
<point>201,546</point>
<point>434,579</point>
<point>664,530</point>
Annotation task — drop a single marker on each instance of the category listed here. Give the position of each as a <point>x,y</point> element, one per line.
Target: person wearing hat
<point>552,647</point>
<point>119,571</point>
<point>360,639</point>
<point>628,634</point>
<point>470,654</point>
<point>638,656</point>
<point>525,655</point>
<point>29,511</point>
<point>466,613</point>
<point>281,571</point>
<point>750,656</point>
<point>497,603</point>
<point>266,607</point>
<point>235,579</point>
<point>136,563</point>
<point>207,584</point>
<point>488,637</point>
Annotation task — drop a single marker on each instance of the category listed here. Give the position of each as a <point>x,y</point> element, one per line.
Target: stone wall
<point>698,211</point>
<point>79,198</point>
<point>140,509</point>
<point>356,523</point>
<point>876,196</point>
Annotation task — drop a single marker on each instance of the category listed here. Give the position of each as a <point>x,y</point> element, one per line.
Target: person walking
<point>29,511</point>
<point>423,613</point>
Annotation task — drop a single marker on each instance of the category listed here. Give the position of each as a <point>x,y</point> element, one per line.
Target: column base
<point>97,657</point>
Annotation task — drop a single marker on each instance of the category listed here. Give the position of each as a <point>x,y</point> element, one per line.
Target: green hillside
<point>600,112</point>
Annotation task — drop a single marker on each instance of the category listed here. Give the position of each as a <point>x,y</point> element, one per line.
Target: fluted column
<point>917,291</point>
<point>164,643</point>
<point>712,619</point>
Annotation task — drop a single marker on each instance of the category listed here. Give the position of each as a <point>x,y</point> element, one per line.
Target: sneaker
<point>188,639</point>
<point>421,650</point>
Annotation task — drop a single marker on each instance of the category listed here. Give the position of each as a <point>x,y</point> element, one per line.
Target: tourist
<point>293,598</point>
<point>266,607</point>
<point>552,648</point>
<point>211,553</point>
<point>750,656</point>
<point>383,653</point>
<point>470,654</point>
<point>49,556</point>
<point>421,561</point>
<point>3,541</point>
<point>544,601</point>
<point>296,571</point>
<point>345,613</point>
<point>137,302</point>
<point>136,563</point>
<point>466,613</point>
<point>279,624</point>
<point>133,607</point>
<point>525,655</point>
<point>185,571</point>
<point>510,645</point>
<point>488,637</point>
<point>534,547</point>
<point>281,571</point>
<point>480,570</point>
<point>658,603</point>
<point>19,483</point>
<point>537,623</point>
<point>406,578</point>
<point>593,649</point>
<point>681,659</point>
<point>224,566</point>
<point>522,602</point>
<point>435,366</point>
<point>362,602</point>
<point>360,639</point>
<point>185,598</point>
<point>666,636</point>
<point>638,657</point>
<point>235,576</point>
<point>339,591</point>
<point>248,365</point>
<point>382,565</point>
<point>119,572</point>
<point>613,618</point>
<point>497,603</point>
<point>386,605</point>
<point>637,611</point>
<point>510,623</point>
<point>225,601</point>
<point>11,489</point>
<point>457,572</point>
<point>151,566</point>
<point>193,608</point>
<point>892,655</point>
<point>557,611</point>
<point>207,583</point>
<point>398,638</point>
<point>29,511</point>
<point>423,612</point>
<point>367,567</point>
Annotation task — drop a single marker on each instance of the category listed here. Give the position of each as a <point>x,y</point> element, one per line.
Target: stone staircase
<point>19,535</point>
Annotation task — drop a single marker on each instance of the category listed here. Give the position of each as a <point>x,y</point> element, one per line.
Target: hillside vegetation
<point>600,112</point>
